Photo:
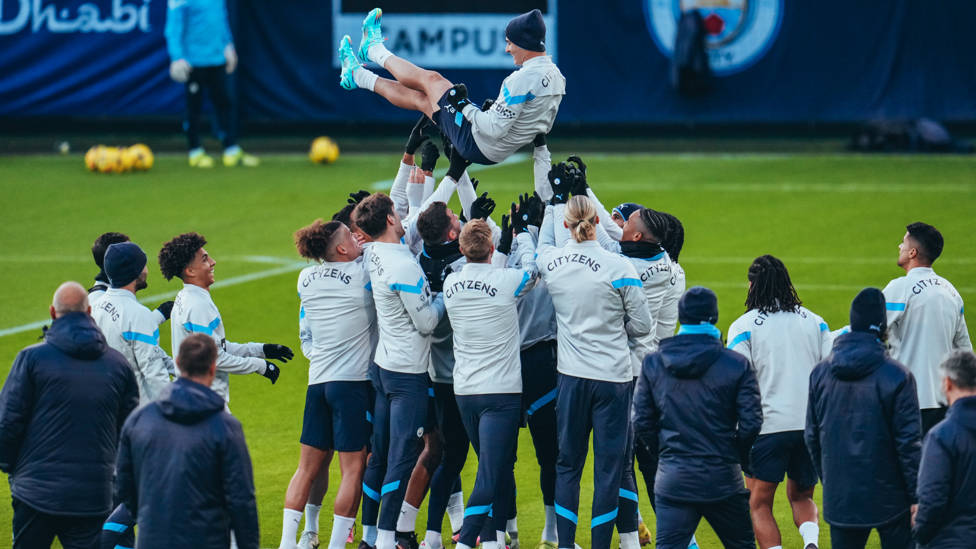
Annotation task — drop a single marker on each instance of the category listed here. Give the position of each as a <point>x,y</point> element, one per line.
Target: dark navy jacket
<point>864,433</point>
<point>947,481</point>
<point>61,410</point>
<point>185,473</point>
<point>697,406</point>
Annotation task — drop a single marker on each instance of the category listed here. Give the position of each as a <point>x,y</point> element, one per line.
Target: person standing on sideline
<point>183,257</point>
<point>863,433</point>
<point>926,318</point>
<point>62,407</point>
<point>945,517</point>
<point>183,466</point>
<point>335,320</point>
<point>202,56</point>
<point>697,408</point>
<point>594,292</point>
<point>783,341</point>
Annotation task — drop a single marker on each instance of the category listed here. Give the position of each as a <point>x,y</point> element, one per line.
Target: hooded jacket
<point>697,407</point>
<point>185,473</point>
<point>947,481</point>
<point>61,410</point>
<point>863,433</point>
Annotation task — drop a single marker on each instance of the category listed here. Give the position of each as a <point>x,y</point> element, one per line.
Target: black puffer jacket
<point>697,406</point>
<point>185,473</point>
<point>864,433</point>
<point>946,516</point>
<point>61,410</point>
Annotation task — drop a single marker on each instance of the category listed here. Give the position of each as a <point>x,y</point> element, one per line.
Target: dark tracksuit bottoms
<point>118,532</point>
<point>539,380</point>
<point>215,80</point>
<point>729,518</point>
<point>399,416</point>
<point>627,520</point>
<point>897,534</point>
<point>447,480</point>
<point>492,423</point>
<point>603,407</point>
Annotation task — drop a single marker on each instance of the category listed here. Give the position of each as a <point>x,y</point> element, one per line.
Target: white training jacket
<point>536,315</point>
<point>406,313</point>
<point>926,322</point>
<point>195,312</point>
<point>592,291</point>
<point>667,319</point>
<point>481,300</point>
<point>783,348</point>
<point>131,329</point>
<point>335,320</point>
<point>615,231</point>
<point>95,295</point>
<point>526,106</point>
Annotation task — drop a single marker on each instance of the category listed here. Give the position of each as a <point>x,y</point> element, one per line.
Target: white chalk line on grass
<point>387,184</point>
<point>833,260</point>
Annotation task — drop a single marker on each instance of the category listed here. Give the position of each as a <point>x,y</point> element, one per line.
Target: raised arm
<point>606,221</point>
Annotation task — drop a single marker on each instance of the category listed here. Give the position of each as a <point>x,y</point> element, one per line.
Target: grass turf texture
<point>835,220</point>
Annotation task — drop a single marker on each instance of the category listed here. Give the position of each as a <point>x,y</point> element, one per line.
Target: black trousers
<point>215,81</point>
<point>677,522</point>
<point>894,535</point>
<point>34,529</point>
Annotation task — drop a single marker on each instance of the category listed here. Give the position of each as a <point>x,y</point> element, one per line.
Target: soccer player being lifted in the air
<point>525,108</point>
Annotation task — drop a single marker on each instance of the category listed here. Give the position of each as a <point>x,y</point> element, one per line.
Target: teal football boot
<point>372,34</point>
<point>349,64</point>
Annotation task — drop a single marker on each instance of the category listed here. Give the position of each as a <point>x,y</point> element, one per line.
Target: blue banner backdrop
<point>776,60</point>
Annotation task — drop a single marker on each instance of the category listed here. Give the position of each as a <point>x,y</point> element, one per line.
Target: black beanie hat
<point>868,313</point>
<point>699,305</point>
<point>528,31</point>
<point>626,209</point>
<point>124,263</point>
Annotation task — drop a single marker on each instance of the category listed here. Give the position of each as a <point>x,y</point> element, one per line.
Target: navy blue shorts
<point>336,416</point>
<point>778,454</point>
<point>457,128</point>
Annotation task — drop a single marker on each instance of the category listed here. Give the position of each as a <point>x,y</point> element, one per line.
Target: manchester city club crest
<point>739,31</point>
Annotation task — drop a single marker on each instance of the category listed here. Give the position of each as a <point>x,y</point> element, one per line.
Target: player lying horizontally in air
<point>525,108</point>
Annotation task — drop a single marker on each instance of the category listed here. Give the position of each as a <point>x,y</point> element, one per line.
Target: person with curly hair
<point>194,311</point>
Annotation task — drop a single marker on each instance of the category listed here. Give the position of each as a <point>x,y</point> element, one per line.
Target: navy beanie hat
<point>868,312</point>
<point>124,263</point>
<point>626,209</point>
<point>699,305</point>
<point>528,31</point>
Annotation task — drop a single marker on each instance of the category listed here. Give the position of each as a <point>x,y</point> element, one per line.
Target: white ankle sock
<point>340,531</point>
<point>289,529</point>
<point>385,539</point>
<point>408,518</point>
<point>810,532</point>
<point>312,517</point>
<point>511,525</point>
<point>549,531</point>
<point>379,54</point>
<point>776,547</point>
<point>455,511</point>
<point>433,540</point>
<point>462,546</point>
<point>369,535</point>
<point>693,542</point>
<point>500,536</point>
<point>364,78</point>
<point>629,540</point>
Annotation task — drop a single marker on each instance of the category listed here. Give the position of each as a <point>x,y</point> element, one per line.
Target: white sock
<point>369,535</point>
<point>408,518</point>
<point>490,544</point>
<point>312,517</point>
<point>233,149</point>
<point>462,546</point>
<point>455,511</point>
<point>340,531</point>
<point>197,152</point>
<point>364,78</point>
<point>776,547</point>
<point>500,536</point>
<point>549,531</point>
<point>433,540</point>
<point>379,54</point>
<point>629,540</point>
<point>693,542</point>
<point>385,539</point>
<point>810,532</point>
<point>289,529</point>
<point>233,540</point>
<point>512,525</point>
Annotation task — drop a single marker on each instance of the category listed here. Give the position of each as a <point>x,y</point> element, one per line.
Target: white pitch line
<point>387,184</point>
<point>834,260</point>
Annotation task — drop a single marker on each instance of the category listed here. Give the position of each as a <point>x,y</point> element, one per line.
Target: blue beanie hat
<point>868,312</point>
<point>699,305</point>
<point>528,31</point>
<point>626,209</point>
<point>124,263</point>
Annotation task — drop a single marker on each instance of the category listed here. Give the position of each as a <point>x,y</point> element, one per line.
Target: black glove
<point>579,183</point>
<point>278,352</point>
<point>520,216</point>
<point>417,135</point>
<point>540,140</point>
<point>271,372</point>
<point>505,242</point>
<point>458,97</point>
<point>458,165</point>
<point>429,156</point>
<point>561,180</point>
<point>482,207</point>
<point>166,308</point>
<point>356,198</point>
<point>487,104</point>
<point>537,210</point>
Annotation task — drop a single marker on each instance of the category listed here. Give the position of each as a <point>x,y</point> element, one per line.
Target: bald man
<point>61,410</point>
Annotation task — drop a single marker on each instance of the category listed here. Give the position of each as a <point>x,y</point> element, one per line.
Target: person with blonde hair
<point>596,381</point>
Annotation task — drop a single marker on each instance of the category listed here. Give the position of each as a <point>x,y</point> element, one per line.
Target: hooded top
<point>946,516</point>
<point>863,432</point>
<point>189,457</point>
<point>697,406</point>
<point>61,410</point>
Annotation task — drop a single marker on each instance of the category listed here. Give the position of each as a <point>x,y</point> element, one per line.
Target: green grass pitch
<point>835,220</point>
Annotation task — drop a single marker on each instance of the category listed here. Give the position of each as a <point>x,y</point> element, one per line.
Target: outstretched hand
<point>561,180</point>
<point>417,135</point>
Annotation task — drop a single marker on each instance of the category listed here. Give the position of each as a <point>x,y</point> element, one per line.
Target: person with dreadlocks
<point>784,341</point>
<point>672,243</point>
